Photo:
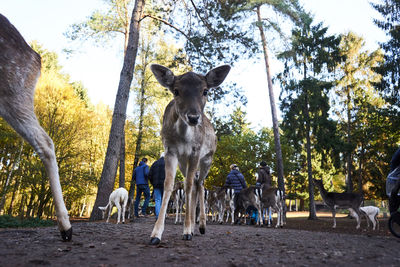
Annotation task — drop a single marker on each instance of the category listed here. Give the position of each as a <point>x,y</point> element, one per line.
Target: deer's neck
<point>324,194</point>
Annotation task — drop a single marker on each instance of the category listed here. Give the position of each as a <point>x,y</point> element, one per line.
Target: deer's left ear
<point>163,75</point>
<point>216,76</point>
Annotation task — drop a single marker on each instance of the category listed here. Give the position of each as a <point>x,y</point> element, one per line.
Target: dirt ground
<point>300,243</point>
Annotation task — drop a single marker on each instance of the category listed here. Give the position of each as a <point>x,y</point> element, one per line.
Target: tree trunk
<point>107,179</point>
<point>122,161</point>
<point>313,213</point>
<point>360,166</point>
<point>278,151</point>
<point>9,178</point>
<point>349,181</point>
<point>122,152</point>
<point>16,188</point>
<point>138,147</point>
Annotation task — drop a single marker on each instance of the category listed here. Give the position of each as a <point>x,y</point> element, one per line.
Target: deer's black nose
<point>193,119</point>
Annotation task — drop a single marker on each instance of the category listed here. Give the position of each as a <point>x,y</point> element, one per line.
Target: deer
<point>20,68</point>
<point>270,198</point>
<point>350,201</point>
<point>179,200</point>
<point>189,141</point>
<point>119,199</point>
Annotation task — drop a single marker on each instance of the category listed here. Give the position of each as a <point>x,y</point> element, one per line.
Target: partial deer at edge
<point>189,141</point>
<point>19,72</point>
<point>350,201</point>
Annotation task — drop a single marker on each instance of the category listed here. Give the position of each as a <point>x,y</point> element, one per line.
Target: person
<point>140,175</point>
<point>394,173</point>
<point>263,174</point>
<point>264,177</point>
<point>156,178</point>
<point>235,179</point>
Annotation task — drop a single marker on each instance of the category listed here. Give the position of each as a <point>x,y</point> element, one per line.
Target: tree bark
<point>107,179</point>
<point>275,124</point>
<point>349,181</point>
<point>122,161</point>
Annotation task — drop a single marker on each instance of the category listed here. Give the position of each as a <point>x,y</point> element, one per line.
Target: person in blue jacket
<point>235,179</point>
<point>140,175</point>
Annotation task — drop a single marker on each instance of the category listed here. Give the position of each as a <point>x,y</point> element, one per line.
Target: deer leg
<point>123,212</point>
<point>187,224</point>
<point>109,212</point>
<point>334,217</point>
<point>170,171</point>
<point>119,212</point>
<point>203,217</point>
<point>193,206</point>
<point>32,132</point>
<point>176,211</point>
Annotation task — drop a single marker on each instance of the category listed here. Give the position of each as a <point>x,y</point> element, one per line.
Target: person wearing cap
<point>264,175</point>
<point>235,179</point>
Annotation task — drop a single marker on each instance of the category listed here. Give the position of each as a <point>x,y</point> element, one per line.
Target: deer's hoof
<point>155,241</point>
<point>202,230</point>
<point>187,237</point>
<point>66,235</point>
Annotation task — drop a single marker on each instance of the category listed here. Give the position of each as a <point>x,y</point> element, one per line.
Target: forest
<point>339,101</point>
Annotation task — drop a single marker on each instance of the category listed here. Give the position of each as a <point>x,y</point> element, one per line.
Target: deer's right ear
<point>163,75</point>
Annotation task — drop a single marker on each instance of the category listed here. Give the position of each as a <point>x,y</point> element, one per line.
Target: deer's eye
<point>205,92</point>
<point>176,92</point>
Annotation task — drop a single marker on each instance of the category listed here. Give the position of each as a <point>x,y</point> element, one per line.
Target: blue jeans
<point>145,189</point>
<point>158,194</point>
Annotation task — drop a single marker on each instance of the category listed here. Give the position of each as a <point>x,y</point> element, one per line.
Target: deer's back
<point>342,199</point>
<point>19,67</point>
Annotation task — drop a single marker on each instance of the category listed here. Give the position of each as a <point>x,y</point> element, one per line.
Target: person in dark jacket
<point>140,175</point>
<point>156,178</point>
<point>395,162</point>
<point>264,175</point>
<point>235,179</point>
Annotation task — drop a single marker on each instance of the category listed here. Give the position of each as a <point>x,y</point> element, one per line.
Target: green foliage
<point>390,70</point>
<point>104,26</point>
<point>7,221</point>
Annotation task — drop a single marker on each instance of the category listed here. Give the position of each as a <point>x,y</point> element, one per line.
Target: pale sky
<point>99,68</point>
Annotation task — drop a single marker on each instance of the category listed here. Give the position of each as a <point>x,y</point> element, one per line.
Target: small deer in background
<point>350,201</point>
<point>119,199</point>
<point>189,141</point>
<point>19,72</point>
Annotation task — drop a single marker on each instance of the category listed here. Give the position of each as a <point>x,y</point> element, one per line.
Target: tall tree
<point>354,89</point>
<point>306,102</point>
<point>106,183</point>
<point>101,27</point>
<point>390,70</point>
<point>232,12</point>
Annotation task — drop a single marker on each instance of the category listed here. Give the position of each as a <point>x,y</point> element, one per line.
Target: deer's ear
<point>163,75</point>
<point>216,76</point>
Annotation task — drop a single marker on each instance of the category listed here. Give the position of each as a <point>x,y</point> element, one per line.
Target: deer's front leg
<point>170,170</point>
<point>187,228</point>
<point>334,217</point>
<point>203,216</point>
<point>193,206</point>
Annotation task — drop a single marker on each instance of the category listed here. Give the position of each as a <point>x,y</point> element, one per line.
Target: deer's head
<point>190,89</point>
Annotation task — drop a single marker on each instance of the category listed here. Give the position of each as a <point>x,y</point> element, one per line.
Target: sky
<point>99,67</point>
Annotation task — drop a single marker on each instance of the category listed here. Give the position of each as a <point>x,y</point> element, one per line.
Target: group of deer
<point>221,202</point>
<point>187,134</point>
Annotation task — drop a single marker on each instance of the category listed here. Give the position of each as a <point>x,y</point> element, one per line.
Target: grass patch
<point>7,221</point>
